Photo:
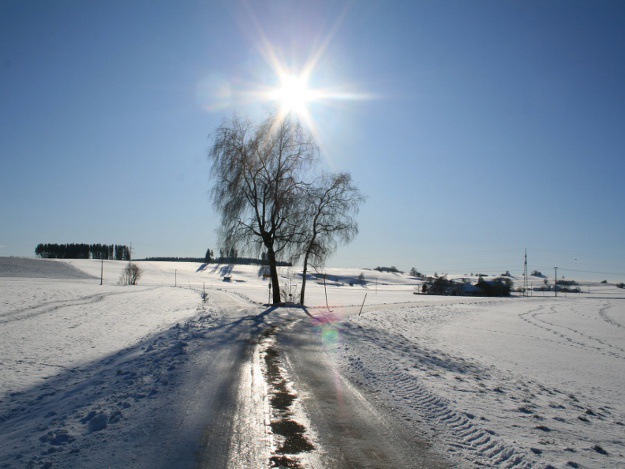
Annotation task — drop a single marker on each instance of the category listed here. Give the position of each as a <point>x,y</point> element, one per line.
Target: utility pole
<point>555,285</point>
<point>525,280</point>
<point>326,291</point>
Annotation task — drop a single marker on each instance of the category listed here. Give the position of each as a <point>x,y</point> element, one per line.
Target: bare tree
<point>331,205</point>
<point>130,275</point>
<point>258,173</point>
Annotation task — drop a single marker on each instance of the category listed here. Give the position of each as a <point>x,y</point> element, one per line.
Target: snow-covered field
<point>87,371</point>
<point>534,381</point>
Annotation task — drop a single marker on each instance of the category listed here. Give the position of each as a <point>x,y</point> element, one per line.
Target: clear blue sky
<point>488,126</point>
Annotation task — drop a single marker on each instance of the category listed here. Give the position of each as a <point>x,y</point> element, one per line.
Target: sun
<point>297,87</point>
<point>293,95</point>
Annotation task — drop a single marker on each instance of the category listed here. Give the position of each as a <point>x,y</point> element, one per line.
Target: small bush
<point>130,274</point>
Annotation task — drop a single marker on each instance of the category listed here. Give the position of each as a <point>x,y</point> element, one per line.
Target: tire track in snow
<point>532,422</point>
<point>604,315</point>
<point>51,306</point>
<point>532,318</point>
<point>461,433</point>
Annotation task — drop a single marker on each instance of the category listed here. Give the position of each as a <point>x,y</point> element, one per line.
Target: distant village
<point>502,285</point>
<point>499,286</point>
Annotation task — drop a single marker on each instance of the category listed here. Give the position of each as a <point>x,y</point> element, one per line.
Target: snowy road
<point>293,406</point>
<point>351,430</point>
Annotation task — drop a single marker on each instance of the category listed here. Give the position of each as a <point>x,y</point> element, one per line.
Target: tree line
<point>118,252</point>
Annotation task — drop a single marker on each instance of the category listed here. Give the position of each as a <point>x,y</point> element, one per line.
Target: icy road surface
<point>293,407</point>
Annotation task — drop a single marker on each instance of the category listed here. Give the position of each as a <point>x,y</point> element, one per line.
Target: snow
<point>52,325</point>
<point>32,268</point>
<point>539,381</point>
<point>88,371</point>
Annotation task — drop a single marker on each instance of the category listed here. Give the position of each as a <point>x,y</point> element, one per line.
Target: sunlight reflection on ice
<point>330,337</point>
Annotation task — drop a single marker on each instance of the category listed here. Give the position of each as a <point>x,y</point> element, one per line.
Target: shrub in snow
<point>130,274</point>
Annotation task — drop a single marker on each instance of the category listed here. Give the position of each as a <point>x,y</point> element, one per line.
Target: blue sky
<point>477,129</point>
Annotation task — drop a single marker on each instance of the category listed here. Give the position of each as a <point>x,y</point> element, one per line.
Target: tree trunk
<point>304,270</point>
<point>273,270</point>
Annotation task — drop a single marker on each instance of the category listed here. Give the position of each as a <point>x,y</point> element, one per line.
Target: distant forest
<point>121,252</point>
<point>219,260</point>
<point>83,251</point>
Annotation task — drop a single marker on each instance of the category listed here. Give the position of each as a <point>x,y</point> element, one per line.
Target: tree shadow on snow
<point>93,404</point>
<point>226,270</point>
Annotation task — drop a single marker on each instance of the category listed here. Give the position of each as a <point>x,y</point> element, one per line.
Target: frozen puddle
<point>271,426</point>
<point>290,428</point>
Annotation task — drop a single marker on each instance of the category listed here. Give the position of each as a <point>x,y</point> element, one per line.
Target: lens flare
<point>330,336</point>
<point>294,92</point>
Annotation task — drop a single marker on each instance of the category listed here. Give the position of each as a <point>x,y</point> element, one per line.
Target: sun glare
<point>292,92</point>
<point>293,95</point>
